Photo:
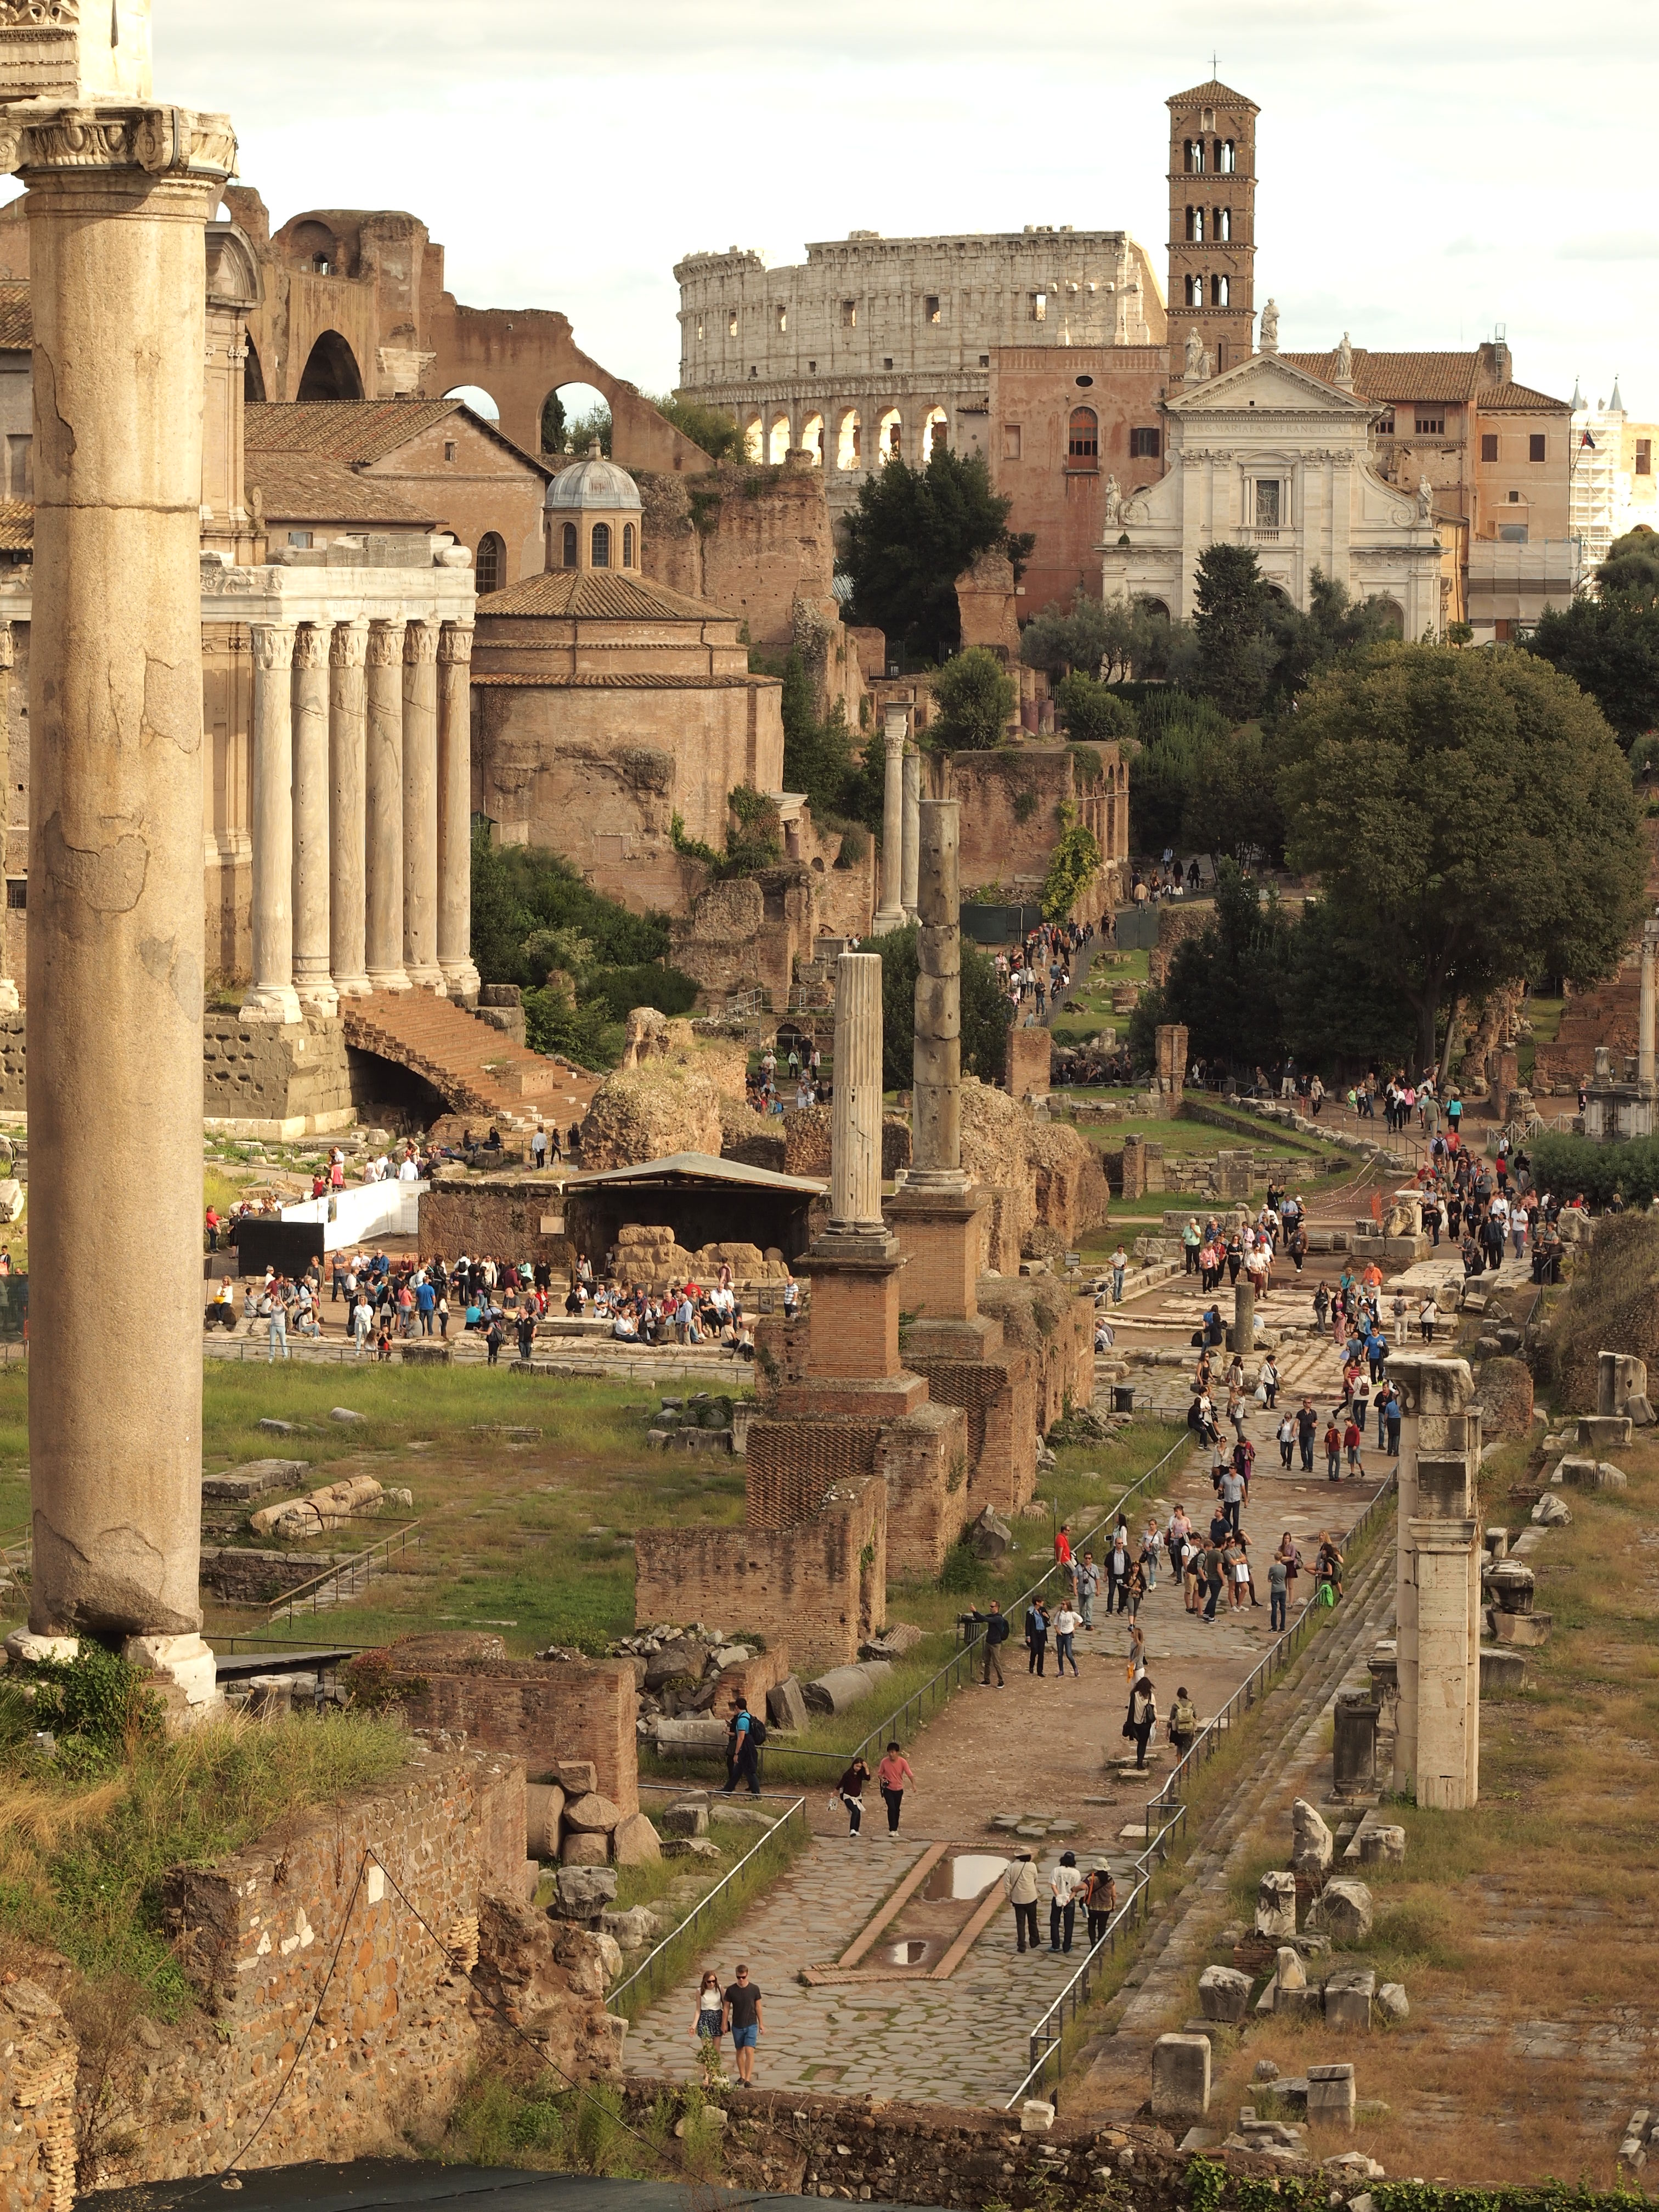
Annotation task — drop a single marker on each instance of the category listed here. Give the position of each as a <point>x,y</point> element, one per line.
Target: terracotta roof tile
<point>599,595</point>
<point>1519,399</point>
<point>623,681</point>
<point>1402,376</point>
<point>16,317</point>
<point>16,526</point>
<point>358,431</point>
<point>1215,91</point>
<point>303,488</point>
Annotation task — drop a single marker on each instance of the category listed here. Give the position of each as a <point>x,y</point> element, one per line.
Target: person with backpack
<point>1184,1723</point>
<point>1099,1899</point>
<point>891,1775</point>
<point>1019,1887</point>
<point>744,1735</point>
<point>996,1635</point>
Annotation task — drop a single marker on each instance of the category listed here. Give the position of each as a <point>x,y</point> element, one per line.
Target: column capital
<point>420,644</point>
<point>385,644</point>
<point>273,644</point>
<point>348,646</point>
<point>455,643</point>
<point>896,729</point>
<point>160,141</point>
<point>311,646</point>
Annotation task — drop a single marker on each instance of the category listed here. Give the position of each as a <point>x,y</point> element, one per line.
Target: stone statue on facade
<point>1270,327</point>
<point>1114,500</point>
<point>1194,356</point>
<point>1424,498</point>
<point>1345,358</point>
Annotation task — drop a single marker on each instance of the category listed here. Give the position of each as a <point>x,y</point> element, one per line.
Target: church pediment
<point>1265,384</point>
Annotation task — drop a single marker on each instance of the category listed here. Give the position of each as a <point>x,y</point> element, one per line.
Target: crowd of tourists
<point>1037,977</point>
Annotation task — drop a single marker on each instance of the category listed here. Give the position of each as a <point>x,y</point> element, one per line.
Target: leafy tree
<point>912,534</point>
<point>1471,816</point>
<point>1227,984</point>
<point>1610,648</point>
<point>1072,867</point>
<point>817,755</point>
<point>712,428</point>
<point>1058,640</point>
<point>1231,803</point>
<point>1302,644</point>
<point>1092,712</point>
<point>984,1009</point>
<point>1340,1002</point>
<point>1231,625</point>
<point>574,433</point>
<point>1630,570</point>
<point>974,698</point>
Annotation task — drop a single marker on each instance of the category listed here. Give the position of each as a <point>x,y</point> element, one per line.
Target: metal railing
<point>658,1961</point>
<point>334,1588</point>
<point>1169,1814</point>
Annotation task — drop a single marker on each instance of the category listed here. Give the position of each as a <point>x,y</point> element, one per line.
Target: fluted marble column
<point>271,997</point>
<point>119,200</point>
<point>312,981</point>
<point>455,812</point>
<point>911,853</point>
<point>348,714</point>
<point>890,913</point>
<point>9,1002</point>
<point>936,1112</point>
<point>421,807</point>
<point>383,784</point>
<point>855,1122</point>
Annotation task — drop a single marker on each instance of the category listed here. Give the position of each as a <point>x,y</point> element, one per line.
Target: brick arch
<point>520,356</point>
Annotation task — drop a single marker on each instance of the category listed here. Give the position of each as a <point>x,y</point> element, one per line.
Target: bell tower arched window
<point>1219,291</point>
<point>1228,158</point>
<point>1194,291</point>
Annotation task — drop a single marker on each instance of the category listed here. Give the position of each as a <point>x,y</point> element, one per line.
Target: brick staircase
<point>473,1066</point>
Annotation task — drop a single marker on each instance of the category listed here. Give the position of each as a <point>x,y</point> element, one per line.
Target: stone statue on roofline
<point>1270,327</point>
<point>1345,358</point>
<point>1424,498</point>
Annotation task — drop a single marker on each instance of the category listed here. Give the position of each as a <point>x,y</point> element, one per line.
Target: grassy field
<point>1096,996</point>
<point>1545,1015</point>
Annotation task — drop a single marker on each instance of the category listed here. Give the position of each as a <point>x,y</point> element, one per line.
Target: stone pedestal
<point>118,200</point>
<point>890,913</point>
<point>1436,1749</point>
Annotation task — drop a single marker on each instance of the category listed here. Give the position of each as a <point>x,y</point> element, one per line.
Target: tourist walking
<point>1183,1723</point>
<point>1279,1579</point>
<point>891,1775</point>
<point>850,1791</point>
<point>1142,1717</point>
<point>1099,1898</point>
<point>708,2022</point>
<point>1064,1885</point>
<point>744,2021</point>
<point>1066,1622</point>
<point>1088,1584</point>
<point>1019,1887</point>
<point>743,1742</point>
<point>996,1635</point>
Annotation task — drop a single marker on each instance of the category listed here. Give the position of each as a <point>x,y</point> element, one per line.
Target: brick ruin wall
<point>401,2024</point>
<point>820,1588</point>
<point>1026,1065</point>
<point>998,1398</point>
<point>540,1711</point>
<point>270,1071</point>
<point>750,539</point>
<point>923,1460</point>
<point>502,1218</point>
<point>1011,804</point>
<point>1040,1316</point>
<point>794,1465</point>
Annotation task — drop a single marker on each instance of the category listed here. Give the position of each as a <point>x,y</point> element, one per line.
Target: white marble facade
<point>1268,456</point>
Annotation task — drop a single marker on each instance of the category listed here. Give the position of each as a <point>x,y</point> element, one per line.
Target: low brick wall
<point>248,1577</point>
<point>540,1711</point>
<point>924,1463</point>
<point>1026,1063</point>
<point>1040,1316</point>
<point>998,1396</point>
<point>504,1217</point>
<point>821,1588</point>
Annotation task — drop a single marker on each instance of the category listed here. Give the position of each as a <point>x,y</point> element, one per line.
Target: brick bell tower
<point>1212,225</point>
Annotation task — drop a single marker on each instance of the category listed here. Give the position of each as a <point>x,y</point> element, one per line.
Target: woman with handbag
<point>1142,1717</point>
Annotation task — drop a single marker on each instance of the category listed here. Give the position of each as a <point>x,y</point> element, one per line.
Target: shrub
<point>974,697</point>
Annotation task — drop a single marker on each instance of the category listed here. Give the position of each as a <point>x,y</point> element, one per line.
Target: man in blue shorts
<point>742,2019</point>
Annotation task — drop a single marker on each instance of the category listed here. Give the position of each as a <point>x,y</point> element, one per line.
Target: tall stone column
<point>890,913</point>
<point>1437,1583</point>
<point>9,1002</point>
<point>455,813</point>
<point>421,807</point>
<point>855,1120</point>
<point>119,198</point>
<point>348,723</point>
<point>1645,1035</point>
<point>911,842</point>
<point>936,1111</point>
<point>383,844</point>
<point>271,996</point>
<point>312,981</point>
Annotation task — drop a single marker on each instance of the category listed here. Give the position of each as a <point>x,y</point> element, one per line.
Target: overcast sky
<point>1430,168</point>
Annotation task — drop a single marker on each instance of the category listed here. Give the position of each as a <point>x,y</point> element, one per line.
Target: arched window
<point>601,545</point>
<point>628,545</point>
<point>1195,225</point>
<point>1217,291</point>
<point>1195,157</point>
<point>489,567</point>
<point>570,554</point>
<point>1224,223</point>
<point>1194,291</point>
<point>1082,447</point>
<point>1228,158</point>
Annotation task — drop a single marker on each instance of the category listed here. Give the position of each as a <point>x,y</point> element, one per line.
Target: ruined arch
<point>475,397</point>
<point>777,440</point>
<point>849,440</point>
<point>890,437</point>
<point>330,371</point>
<point>935,434</point>
<point>811,439</point>
<point>571,416</point>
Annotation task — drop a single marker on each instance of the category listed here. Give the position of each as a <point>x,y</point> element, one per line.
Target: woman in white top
<point>711,2008</point>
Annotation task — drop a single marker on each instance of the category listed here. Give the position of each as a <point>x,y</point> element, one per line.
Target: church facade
<point>1269,456</point>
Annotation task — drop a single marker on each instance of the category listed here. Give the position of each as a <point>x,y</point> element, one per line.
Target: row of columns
<point>362,813</point>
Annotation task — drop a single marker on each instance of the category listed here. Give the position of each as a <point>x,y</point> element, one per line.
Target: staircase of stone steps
<point>474,1068</point>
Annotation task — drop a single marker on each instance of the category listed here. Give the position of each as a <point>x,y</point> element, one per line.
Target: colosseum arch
<point>330,371</point>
